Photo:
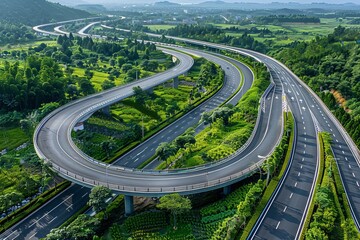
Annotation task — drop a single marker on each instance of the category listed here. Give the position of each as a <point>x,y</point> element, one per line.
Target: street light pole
<point>106,172</point>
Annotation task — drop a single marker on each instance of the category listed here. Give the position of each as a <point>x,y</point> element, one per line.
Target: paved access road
<point>50,215</point>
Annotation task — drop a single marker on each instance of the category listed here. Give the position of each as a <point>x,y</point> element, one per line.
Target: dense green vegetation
<point>35,81</point>
<point>11,33</point>
<point>329,65</point>
<point>146,111</point>
<point>331,218</point>
<point>229,128</point>
<point>38,75</point>
<point>223,219</point>
<point>201,32</point>
<point>279,19</point>
<point>37,12</point>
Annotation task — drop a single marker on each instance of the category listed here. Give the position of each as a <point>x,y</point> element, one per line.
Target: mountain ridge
<point>34,12</point>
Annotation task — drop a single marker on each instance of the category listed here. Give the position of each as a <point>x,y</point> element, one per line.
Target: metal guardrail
<point>122,188</point>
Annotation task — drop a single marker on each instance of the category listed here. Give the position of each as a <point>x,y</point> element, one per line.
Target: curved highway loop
<point>284,215</point>
<point>259,134</point>
<point>130,182</point>
<point>345,151</point>
<point>76,196</point>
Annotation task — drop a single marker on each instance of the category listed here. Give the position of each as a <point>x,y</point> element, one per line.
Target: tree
<point>29,124</point>
<point>316,234</point>
<point>140,95</point>
<point>172,108</point>
<point>107,84</point>
<point>175,203</point>
<point>86,86</point>
<point>82,227</point>
<point>108,145</point>
<point>98,197</point>
<point>126,67</point>
<point>181,141</point>
<point>165,150</point>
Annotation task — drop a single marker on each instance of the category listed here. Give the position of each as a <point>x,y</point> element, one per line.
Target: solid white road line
<point>12,234</point>
<point>33,235</point>
<point>52,219</point>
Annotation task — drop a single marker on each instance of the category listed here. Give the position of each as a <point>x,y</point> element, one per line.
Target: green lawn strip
<point>10,138</point>
<point>29,208</point>
<point>160,127</point>
<point>271,187</point>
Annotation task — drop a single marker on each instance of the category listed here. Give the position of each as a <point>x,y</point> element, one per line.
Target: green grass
<point>292,31</point>
<point>11,138</point>
<point>159,27</point>
<point>96,80</point>
<point>25,46</point>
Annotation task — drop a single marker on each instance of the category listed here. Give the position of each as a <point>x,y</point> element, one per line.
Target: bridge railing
<point>134,189</point>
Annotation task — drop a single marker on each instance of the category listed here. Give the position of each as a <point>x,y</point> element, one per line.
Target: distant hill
<point>166,4</point>
<point>33,12</point>
<point>93,8</point>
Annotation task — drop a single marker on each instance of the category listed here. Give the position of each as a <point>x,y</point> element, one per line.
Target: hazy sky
<point>197,1</point>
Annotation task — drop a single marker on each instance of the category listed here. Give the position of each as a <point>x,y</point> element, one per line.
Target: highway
<point>53,142</point>
<point>51,215</point>
<point>283,219</point>
<point>36,231</point>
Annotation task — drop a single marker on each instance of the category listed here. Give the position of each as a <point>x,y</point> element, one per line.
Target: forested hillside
<point>330,66</point>
<point>33,12</point>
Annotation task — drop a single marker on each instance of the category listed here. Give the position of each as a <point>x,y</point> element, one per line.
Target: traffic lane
<point>145,151</point>
<point>279,223</point>
<point>260,132</point>
<point>186,178</point>
<point>111,176</point>
<point>50,215</point>
<point>348,165</point>
<point>47,138</point>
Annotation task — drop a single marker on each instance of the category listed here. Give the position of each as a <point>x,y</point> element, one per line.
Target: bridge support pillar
<point>129,205</point>
<point>106,110</point>
<point>176,82</point>
<point>227,190</point>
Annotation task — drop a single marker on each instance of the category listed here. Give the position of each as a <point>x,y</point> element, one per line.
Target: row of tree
<point>11,33</point>
<point>330,67</point>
